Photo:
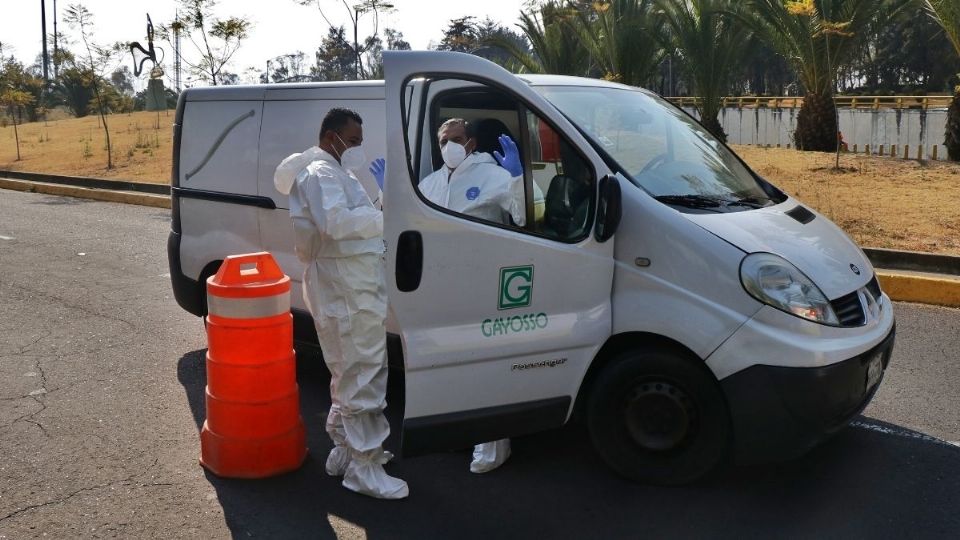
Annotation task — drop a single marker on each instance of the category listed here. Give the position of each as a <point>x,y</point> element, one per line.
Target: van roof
<point>286,91</point>
<point>356,89</point>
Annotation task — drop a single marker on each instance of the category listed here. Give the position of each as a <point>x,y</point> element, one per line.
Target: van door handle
<point>409,260</point>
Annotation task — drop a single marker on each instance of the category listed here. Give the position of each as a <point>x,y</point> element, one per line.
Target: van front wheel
<point>657,416</point>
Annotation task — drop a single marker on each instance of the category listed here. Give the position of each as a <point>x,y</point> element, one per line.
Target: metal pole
<point>46,56</point>
<point>176,53</point>
<point>56,38</point>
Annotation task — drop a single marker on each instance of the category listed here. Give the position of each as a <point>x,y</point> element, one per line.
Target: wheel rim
<point>659,416</point>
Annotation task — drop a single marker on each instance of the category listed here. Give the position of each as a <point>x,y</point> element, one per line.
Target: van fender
<point>615,345</point>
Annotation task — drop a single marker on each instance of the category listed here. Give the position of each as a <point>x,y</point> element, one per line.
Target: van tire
<point>686,435</point>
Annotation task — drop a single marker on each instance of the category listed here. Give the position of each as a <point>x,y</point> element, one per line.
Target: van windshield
<point>666,152</point>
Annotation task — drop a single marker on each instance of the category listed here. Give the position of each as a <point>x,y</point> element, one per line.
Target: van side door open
<point>500,317</point>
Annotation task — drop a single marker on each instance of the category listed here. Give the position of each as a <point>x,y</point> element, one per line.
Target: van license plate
<point>874,371</point>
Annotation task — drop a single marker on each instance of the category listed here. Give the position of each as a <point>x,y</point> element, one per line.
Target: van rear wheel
<point>658,416</point>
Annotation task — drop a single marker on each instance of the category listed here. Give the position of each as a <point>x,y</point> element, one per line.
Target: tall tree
<point>710,41</point>
<point>486,39</point>
<point>947,13</point>
<point>215,40</point>
<point>336,60</point>
<point>818,37</point>
<point>79,18</point>
<point>395,42</point>
<point>460,35</point>
<point>286,68</point>
<point>358,49</point>
<point>74,89</point>
<point>623,36</point>
<point>552,49</point>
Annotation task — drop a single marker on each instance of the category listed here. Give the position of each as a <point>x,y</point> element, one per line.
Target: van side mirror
<point>609,209</point>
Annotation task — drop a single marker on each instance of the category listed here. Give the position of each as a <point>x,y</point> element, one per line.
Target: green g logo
<point>516,287</point>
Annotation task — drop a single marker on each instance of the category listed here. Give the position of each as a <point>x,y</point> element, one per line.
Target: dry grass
<point>78,147</point>
<point>881,202</point>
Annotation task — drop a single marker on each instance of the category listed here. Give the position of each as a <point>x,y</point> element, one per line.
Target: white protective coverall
<point>339,235</point>
<point>478,187</point>
<point>481,188</point>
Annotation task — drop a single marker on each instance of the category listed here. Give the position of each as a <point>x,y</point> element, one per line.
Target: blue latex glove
<point>510,159</point>
<point>378,168</point>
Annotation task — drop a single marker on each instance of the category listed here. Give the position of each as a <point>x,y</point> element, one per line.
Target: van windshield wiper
<point>691,201</point>
<point>752,202</point>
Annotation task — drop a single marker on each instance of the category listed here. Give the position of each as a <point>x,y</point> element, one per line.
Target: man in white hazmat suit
<point>478,184</point>
<point>487,187</point>
<point>339,235</point>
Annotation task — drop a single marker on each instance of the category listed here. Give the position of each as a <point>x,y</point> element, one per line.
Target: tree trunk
<point>952,133</point>
<point>713,126</point>
<point>17,135</point>
<point>817,124</point>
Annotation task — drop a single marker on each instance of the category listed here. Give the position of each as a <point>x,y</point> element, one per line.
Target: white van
<point>681,305</point>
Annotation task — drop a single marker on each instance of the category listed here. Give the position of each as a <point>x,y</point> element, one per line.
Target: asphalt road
<point>101,397</point>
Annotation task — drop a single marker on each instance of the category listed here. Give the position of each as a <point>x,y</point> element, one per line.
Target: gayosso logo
<point>516,287</point>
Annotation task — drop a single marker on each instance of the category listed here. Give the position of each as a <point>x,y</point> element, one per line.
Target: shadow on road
<point>62,201</point>
<point>860,483</point>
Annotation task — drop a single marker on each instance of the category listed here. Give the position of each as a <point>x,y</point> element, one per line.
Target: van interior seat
<point>567,205</point>
<point>488,134</point>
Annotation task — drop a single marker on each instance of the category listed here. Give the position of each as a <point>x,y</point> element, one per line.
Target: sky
<point>279,26</point>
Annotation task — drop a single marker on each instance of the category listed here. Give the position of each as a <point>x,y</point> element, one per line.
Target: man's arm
<point>514,201</point>
<point>328,208</point>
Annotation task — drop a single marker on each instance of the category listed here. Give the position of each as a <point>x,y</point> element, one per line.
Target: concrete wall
<point>861,127</point>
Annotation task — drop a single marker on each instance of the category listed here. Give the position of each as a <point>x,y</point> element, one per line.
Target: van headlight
<point>775,282</point>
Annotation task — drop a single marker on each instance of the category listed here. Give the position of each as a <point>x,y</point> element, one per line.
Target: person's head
<point>458,139</point>
<point>341,130</point>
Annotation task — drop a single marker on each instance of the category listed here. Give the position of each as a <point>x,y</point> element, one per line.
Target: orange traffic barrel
<point>253,427</point>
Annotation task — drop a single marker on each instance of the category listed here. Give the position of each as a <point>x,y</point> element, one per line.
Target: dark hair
<point>468,127</point>
<point>337,119</point>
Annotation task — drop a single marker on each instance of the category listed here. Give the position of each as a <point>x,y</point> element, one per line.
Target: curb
<point>86,182</point>
<point>915,261</point>
<point>922,288</point>
<point>106,195</point>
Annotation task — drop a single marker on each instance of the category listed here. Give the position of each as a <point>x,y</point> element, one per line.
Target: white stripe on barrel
<point>248,308</point>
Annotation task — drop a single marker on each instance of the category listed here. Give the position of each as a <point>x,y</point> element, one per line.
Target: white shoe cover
<point>338,460</point>
<point>369,478</point>
<point>489,456</point>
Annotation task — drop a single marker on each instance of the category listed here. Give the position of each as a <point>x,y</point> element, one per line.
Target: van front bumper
<point>782,412</point>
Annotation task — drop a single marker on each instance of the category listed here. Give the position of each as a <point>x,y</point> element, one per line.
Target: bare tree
<point>98,58</point>
<point>216,40</point>
<point>356,12</point>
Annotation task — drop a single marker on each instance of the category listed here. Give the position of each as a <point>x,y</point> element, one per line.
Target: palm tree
<point>623,37</point>
<point>817,37</point>
<point>553,49</point>
<point>947,13</point>
<point>711,43</point>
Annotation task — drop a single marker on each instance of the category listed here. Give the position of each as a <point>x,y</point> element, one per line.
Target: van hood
<point>291,166</point>
<point>818,248</point>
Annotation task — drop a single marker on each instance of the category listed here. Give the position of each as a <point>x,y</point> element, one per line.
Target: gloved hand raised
<point>378,168</point>
<point>510,159</point>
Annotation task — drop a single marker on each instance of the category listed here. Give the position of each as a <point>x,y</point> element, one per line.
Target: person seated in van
<point>478,184</point>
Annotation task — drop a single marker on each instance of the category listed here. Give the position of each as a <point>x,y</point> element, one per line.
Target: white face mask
<point>352,158</point>
<point>453,154</point>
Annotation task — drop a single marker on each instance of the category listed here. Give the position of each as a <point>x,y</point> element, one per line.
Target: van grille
<point>849,308</point>
<point>874,288</point>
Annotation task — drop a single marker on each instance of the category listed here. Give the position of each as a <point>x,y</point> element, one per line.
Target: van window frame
<point>522,106</point>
